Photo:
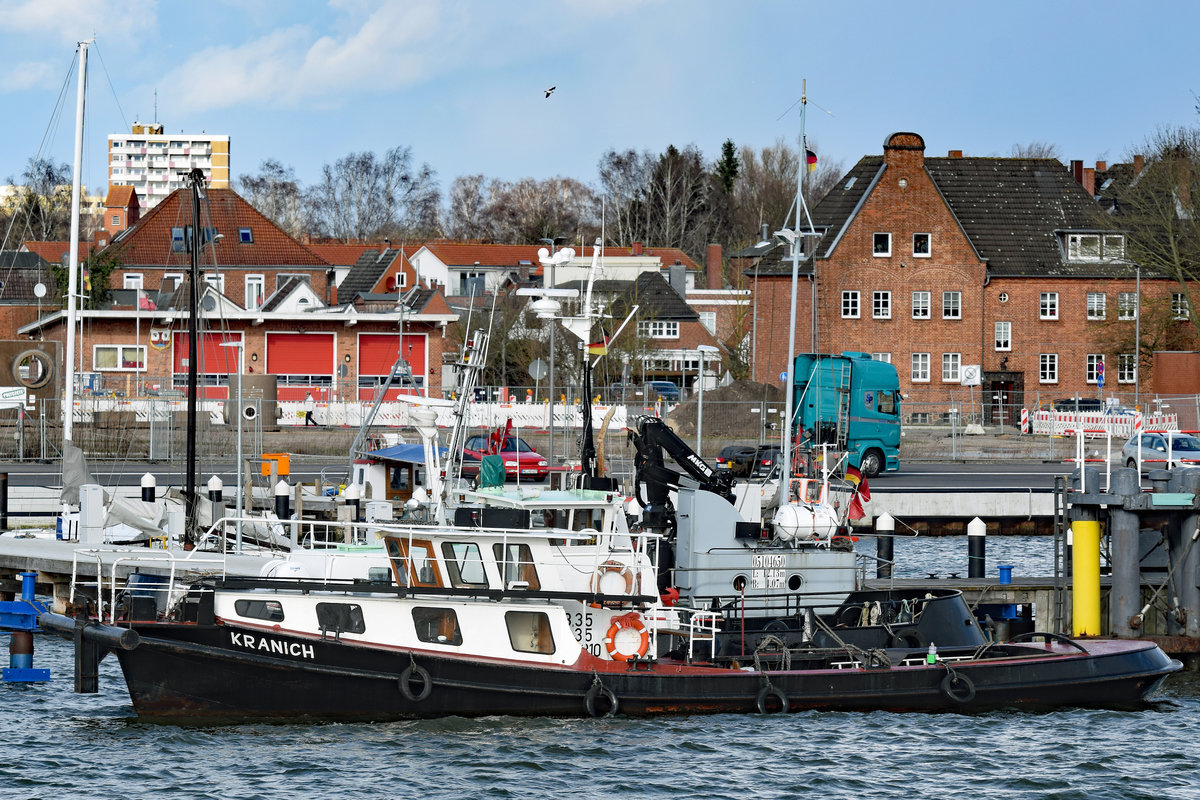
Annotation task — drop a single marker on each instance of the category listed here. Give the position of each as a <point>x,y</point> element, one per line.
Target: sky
<point>462,82</point>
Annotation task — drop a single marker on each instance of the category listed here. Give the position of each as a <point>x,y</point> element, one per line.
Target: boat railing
<point>193,564</point>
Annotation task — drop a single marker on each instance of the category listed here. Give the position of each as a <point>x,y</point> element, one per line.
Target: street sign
<point>971,374</point>
<point>537,369</point>
<point>783,377</point>
<point>1100,374</point>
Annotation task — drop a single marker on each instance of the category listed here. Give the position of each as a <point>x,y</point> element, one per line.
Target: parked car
<point>1183,448</point>
<point>519,458</point>
<point>621,392</point>
<point>1079,404</point>
<point>664,389</point>
<point>765,459</point>
<point>736,459</point>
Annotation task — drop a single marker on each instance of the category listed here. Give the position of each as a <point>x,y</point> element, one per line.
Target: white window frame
<point>260,281</point>
<point>1048,306</point>
<point>851,307</point>
<point>881,305</point>
<point>1048,368</point>
<point>1180,308</point>
<point>1126,368</point>
<point>709,320</point>
<point>133,280</point>
<point>116,218</point>
<point>1003,337</point>
<point>1127,306</point>
<point>876,241</point>
<point>215,280</point>
<point>928,246</point>
<point>175,277</point>
<point>884,357</point>
<point>659,329</point>
<point>922,302</point>
<point>1114,246</point>
<point>920,368</point>
<point>1076,250</point>
<point>122,349</point>
<point>951,305</point>
<point>401,279</point>
<point>1097,305</point>
<point>951,367</point>
<point>1094,359</point>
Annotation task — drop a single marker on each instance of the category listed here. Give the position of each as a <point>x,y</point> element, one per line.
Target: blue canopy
<point>411,453</point>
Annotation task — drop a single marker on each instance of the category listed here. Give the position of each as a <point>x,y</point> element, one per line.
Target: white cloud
<point>371,46</point>
<point>75,20</point>
<point>26,75</point>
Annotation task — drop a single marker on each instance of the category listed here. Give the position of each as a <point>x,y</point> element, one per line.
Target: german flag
<point>811,159</point>
<point>599,348</point>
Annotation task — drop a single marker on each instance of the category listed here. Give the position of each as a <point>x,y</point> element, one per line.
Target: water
<point>63,745</point>
<point>917,556</point>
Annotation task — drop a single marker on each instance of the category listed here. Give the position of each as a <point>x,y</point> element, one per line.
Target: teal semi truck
<point>851,402</point>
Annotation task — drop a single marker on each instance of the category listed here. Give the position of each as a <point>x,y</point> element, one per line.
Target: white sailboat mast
<point>73,254</point>
<point>796,239</point>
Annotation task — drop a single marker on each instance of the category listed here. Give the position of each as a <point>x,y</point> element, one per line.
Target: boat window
<point>551,518</point>
<point>464,564</point>
<point>812,492</point>
<point>516,566</point>
<point>529,632</point>
<point>400,475</point>
<point>413,562</point>
<point>338,618</point>
<point>269,610</point>
<point>587,518</point>
<point>437,625</point>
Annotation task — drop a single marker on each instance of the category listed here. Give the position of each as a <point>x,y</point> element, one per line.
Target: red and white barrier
<point>1060,423</point>
<point>1024,420</point>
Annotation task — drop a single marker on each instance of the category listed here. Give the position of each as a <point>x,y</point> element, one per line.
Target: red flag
<point>865,490</point>
<point>856,510</point>
<point>853,475</point>
<point>144,301</point>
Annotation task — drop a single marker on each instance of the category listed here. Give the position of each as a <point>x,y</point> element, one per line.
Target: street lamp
<point>241,352</point>
<point>704,348</point>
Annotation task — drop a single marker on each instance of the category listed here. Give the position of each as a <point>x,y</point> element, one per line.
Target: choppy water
<point>61,745</point>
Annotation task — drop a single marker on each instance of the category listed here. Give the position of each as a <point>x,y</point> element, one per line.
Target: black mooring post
<point>3,501</point>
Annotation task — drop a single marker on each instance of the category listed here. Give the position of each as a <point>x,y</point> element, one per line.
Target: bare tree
<point>276,193</point>
<point>624,181</point>
<point>766,191</point>
<point>41,203</point>
<point>1035,150</point>
<point>466,216</point>
<point>363,196</point>
<point>528,210</point>
<point>1159,210</point>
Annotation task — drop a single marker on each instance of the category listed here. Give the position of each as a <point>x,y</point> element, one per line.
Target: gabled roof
<point>371,266</point>
<point>341,254</point>
<point>121,197</point>
<point>459,254</point>
<point>293,285</point>
<point>20,272</point>
<point>149,242</point>
<point>55,252</point>
<point>1011,210</point>
<point>658,300</point>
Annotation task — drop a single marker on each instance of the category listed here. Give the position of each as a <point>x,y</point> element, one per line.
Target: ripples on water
<point>62,745</point>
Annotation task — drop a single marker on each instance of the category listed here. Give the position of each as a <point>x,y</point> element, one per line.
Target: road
<point>923,476</point>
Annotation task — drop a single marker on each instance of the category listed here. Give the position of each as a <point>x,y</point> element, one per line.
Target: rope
<point>785,653</point>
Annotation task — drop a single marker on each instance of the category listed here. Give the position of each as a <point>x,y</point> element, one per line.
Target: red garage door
<point>377,353</point>
<point>212,357</point>
<point>301,361</point>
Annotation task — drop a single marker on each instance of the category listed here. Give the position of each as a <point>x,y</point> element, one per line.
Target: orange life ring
<point>607,567</point>
<point>631,621</point>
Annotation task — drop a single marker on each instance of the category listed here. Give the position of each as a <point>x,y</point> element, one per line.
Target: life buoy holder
<point>611,566</point>
<point>631,621</point>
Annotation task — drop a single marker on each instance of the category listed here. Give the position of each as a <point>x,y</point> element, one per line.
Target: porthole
<point>739,583</point>
<point>795,582</point>
<point>33,369</point>
<point>1004,297</point>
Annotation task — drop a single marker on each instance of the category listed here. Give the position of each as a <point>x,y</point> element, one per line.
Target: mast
<point>73,263</point>
<point>196,179</point>
<point>796,238</point>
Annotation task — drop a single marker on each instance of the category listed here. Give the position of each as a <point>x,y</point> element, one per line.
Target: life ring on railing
<point>620,651</point>
<point>611,567</point>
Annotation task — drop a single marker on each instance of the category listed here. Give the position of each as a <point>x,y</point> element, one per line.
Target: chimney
<point>1077,170</point>
<point>1101,166</point>
<point>954,154</point>
<point>333,294</point>
<point>677,277</point>
<point>766,233</point>
<point>637,248</point>
<point>1089,180</point>
<point>712,266</point>
<point>1139,163</point>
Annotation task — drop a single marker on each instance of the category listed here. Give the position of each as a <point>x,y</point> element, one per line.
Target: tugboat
<point>539,603</point>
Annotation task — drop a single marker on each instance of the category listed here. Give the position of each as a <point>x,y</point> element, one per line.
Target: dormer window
<point>1095,246</point>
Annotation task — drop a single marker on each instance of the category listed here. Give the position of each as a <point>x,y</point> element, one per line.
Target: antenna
<point>156,106</point>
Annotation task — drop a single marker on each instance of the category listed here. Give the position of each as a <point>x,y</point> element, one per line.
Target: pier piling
<point>1123,525</point>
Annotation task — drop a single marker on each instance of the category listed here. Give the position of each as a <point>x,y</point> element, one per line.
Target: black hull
<point>190,672</point>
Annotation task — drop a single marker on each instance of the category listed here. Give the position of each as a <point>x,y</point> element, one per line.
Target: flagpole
<point>789,387</point>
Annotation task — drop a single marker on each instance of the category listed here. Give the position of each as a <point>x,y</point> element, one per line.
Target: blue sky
<point>461,81</point>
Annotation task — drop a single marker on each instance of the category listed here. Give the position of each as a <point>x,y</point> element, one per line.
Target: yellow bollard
<point>1085,573</point>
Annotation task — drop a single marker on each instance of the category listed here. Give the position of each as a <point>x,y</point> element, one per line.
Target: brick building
<point>261,288</point>
<point>938,264</point>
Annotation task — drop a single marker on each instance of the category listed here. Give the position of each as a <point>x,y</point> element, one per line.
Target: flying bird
<point>550,91</point>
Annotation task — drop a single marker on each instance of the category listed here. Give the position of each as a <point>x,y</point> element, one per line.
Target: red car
<point>519,459</point>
